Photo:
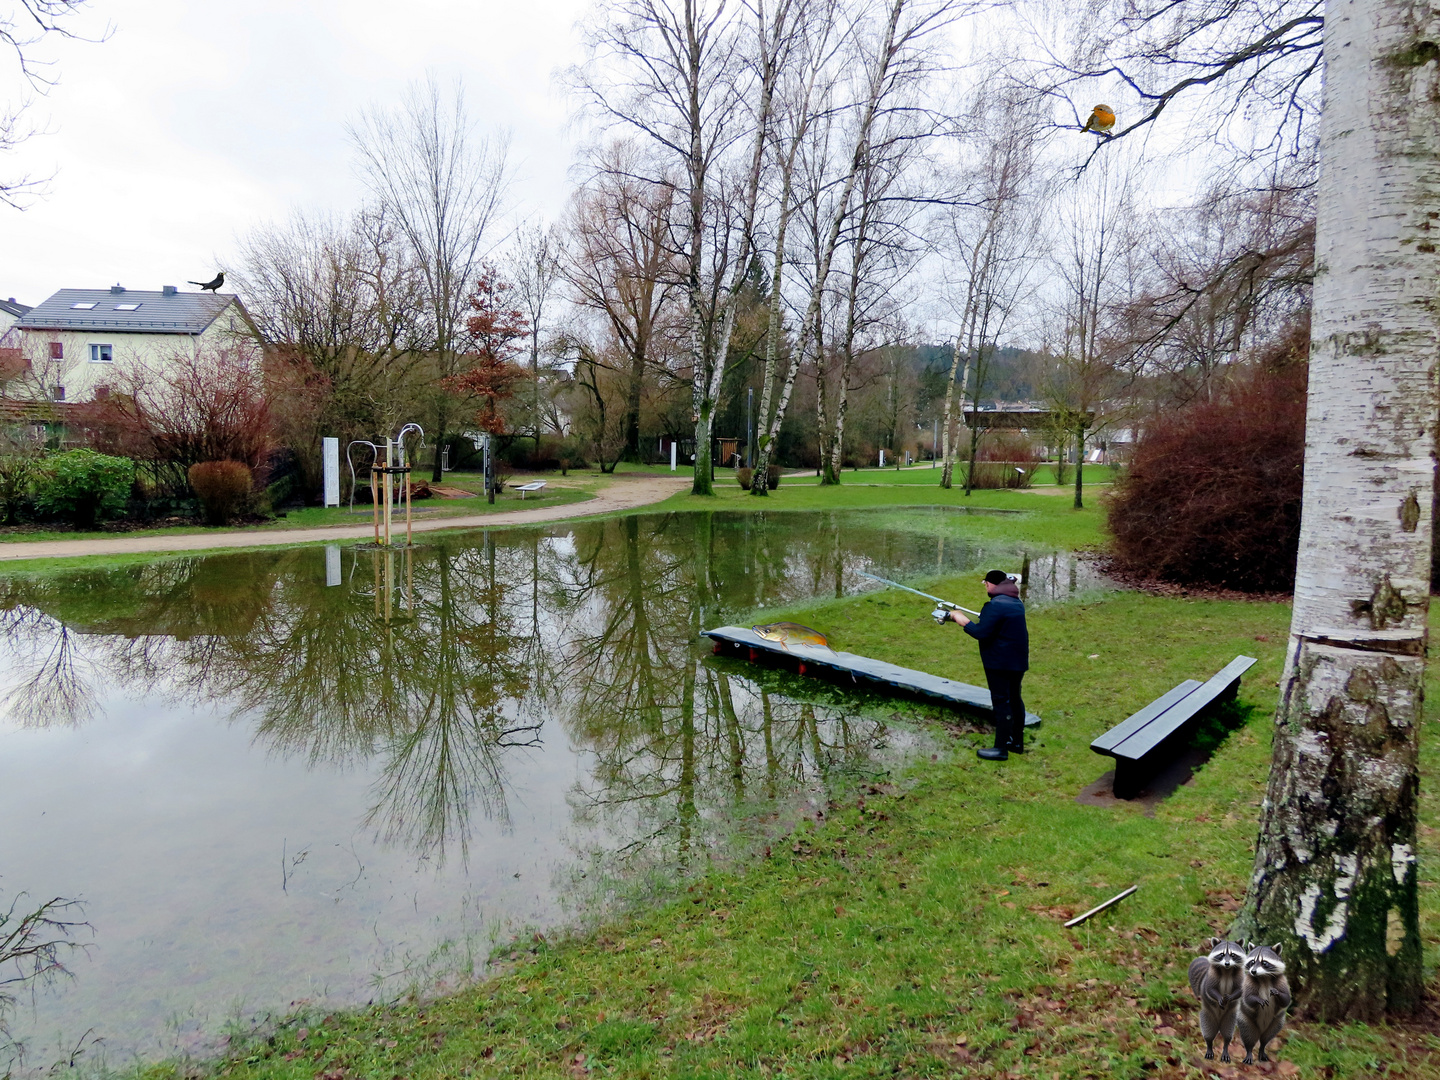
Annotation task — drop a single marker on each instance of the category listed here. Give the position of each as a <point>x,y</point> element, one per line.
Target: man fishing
<point>1005,653</point>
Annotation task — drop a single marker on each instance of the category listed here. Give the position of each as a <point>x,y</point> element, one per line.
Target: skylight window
<point>83,305</point>
<point>127,307</point>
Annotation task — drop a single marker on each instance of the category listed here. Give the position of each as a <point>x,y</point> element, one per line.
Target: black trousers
<point>1009,708</point>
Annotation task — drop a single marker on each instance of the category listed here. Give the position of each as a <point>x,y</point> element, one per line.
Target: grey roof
<point>10,307</point>
<point>180,313</point>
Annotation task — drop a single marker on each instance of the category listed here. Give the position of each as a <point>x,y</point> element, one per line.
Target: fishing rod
<point>945,606</point>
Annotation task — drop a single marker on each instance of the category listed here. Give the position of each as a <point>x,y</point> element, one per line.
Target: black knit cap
<point>996,577</point>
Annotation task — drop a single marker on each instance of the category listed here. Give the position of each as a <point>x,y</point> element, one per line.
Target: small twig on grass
<point>1100,907</point>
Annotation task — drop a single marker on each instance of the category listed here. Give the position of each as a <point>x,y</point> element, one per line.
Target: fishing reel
<point>941,615</point>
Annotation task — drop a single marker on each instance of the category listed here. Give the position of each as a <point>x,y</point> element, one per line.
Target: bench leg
<point>1129,781</point>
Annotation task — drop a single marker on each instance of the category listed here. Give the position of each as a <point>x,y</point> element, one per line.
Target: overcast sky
<point>193,122</point>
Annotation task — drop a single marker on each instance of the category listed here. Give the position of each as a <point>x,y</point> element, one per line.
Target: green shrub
<point>223,488</point>
<point>743,476</point>
<point>82,486</point>
<point>19,462</point>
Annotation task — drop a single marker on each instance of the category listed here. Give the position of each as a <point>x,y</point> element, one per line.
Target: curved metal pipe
<point>400,438</point>
<point>374,457</point>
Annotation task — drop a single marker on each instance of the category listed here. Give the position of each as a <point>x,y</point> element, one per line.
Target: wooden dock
<point>739,641</point>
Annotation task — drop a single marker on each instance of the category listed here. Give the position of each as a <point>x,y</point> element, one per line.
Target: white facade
<point>80,342</point>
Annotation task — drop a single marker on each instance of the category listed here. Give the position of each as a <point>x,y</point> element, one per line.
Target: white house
<point>9,312</point>
<point>80,341</point>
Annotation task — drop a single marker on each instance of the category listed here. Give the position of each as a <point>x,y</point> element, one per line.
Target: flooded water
<point>317,775</point>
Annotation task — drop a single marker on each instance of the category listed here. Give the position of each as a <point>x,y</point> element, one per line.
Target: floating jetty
<point>820,661</point>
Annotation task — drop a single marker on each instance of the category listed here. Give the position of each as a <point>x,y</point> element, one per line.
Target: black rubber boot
<point>992,753</point>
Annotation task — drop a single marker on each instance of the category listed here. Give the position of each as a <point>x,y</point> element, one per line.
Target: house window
<point>84,305</point>
<point>127,307</point>
<point>102,354</point>
<point>57,393</point>
<point>57,350</point>
<point>102,392</point>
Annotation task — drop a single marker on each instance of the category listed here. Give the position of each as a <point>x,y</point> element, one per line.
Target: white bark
<point>1333,875</point>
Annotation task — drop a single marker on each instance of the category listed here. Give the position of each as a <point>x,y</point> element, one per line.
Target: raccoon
<point>1264,997</point>
<point>1215,978</point>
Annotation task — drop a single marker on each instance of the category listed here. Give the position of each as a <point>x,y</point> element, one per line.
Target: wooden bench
<point>852,668</point>
<point>534,485</point>
<point>1146,741</point>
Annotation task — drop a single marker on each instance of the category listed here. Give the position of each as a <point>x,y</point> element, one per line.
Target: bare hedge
<point>1212,494</point>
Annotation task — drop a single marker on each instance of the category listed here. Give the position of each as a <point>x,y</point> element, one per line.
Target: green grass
<point>1046,522</point>
<point>924,473</point>
<point>915,928</point>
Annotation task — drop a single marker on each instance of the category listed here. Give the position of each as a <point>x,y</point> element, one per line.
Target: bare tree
<point>804,93</point>
<point>535,270</point>
<point>342,311</point>
<point>697,81</point>
<point>1095,265</point>
<point>883,247</point>
<point>1214,64</point>
<point>892,59</point>
<point>1229,271</point>
<point>444,187</point>
<point>620,267</point>
<point>24,24</point>
<point>991,244</point>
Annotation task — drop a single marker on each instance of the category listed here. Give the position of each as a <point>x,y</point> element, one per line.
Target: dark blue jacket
<point>1004,640</point>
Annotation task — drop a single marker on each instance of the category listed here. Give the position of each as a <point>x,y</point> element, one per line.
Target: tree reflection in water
<point>440,663</point>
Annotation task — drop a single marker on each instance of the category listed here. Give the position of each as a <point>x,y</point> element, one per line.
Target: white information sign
<point>330,452</point>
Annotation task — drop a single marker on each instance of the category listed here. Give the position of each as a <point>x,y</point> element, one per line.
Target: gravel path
<point>622,494</point>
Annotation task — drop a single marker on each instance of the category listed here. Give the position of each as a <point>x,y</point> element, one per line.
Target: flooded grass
<point>913,928</point>
<point>759,875</point>
<point>305,775</point>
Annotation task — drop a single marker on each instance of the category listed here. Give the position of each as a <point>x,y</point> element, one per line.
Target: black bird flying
<point>213,284</point>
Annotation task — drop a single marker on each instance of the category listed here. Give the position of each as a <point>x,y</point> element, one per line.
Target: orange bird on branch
<point>1102,119</point>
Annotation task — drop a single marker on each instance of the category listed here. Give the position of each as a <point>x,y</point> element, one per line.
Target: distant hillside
<point>1008,377</point>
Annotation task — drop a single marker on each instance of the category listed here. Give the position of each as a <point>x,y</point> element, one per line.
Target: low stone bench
<point>534,485</point>
<point>1145,742</point>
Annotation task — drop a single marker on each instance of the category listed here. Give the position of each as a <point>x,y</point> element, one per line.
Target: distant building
<point>9,312</point>
<point>79,343</point>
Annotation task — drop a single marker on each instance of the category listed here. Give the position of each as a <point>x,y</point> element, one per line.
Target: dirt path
<point>621,494</point>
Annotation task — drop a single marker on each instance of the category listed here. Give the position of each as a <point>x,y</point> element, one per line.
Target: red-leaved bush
<point>196,406</point>
<point>222,488</point>
<point>1212,494</point>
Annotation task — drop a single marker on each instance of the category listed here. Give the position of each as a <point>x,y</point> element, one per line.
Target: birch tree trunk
<point>1335,875</point>
<point>707,394</point>
<point>948,466</point>
<point>879,83</point>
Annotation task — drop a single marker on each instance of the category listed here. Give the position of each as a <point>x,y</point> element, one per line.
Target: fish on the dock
<point>789,633</point>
